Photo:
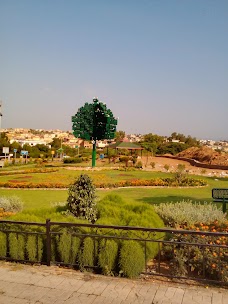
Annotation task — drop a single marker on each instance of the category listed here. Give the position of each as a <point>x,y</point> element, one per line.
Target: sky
<point>161,66</point>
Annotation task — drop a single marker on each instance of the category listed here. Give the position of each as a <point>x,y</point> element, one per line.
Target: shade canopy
<point>125,145</point>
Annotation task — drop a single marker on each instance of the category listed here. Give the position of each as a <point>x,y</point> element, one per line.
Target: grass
<point>66,176</point>
<point>36,199</point>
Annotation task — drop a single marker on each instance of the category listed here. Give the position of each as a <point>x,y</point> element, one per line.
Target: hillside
<point>205,155</point>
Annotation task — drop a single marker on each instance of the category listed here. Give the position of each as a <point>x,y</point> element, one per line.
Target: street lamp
<point>0,118</point>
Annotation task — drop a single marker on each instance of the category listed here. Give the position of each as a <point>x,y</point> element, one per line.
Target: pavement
<point>26,284</point>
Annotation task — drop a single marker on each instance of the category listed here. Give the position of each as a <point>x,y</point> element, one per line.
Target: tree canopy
<point>94,121</point>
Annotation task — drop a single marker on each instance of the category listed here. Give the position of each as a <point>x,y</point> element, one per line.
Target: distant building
<point>29,142</point>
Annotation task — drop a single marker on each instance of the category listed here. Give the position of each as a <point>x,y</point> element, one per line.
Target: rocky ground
<point>205,155</point>
<point>160,163</point>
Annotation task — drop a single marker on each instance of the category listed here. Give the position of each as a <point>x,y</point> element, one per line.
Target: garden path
<point>24,284</point>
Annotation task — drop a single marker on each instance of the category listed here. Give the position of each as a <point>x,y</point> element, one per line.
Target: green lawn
<point>66,176</point>
<point>43,198</point>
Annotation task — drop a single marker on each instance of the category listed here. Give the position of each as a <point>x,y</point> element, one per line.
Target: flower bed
<point>196,254</point>
<point>157,182</point>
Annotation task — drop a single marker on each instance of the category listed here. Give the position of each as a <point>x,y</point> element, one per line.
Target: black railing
<point>182,254</point>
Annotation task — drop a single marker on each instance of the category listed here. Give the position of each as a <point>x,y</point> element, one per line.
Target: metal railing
<point>182,254</point>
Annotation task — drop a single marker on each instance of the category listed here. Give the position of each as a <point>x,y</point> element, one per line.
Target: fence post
<point>48,241</point>
<point>224,205</point>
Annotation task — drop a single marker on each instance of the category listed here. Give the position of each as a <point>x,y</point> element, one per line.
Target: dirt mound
<point>205,155</point>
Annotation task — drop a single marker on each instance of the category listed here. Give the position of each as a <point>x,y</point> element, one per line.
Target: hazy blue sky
<point>161,66</point>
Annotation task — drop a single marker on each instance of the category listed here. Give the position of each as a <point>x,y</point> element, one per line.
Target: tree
<point>189,141</point>
<point>81,198</point>
<point>94,122</point>
<point>180,173</point>
<point>151,142</point>
<point>4,141</point>
<point>153,138</point>
<point>171,148</point>
<point>56,143</point>
<point>111,154</point>
<point>120,135</point>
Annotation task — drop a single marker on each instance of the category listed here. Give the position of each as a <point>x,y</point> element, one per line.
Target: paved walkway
<point>23,284</point>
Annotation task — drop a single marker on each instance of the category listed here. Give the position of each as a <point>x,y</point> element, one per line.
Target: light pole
<point>0,118</point>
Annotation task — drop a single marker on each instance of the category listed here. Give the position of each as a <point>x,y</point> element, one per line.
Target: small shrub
<point>108,254</point>
<point>88,254</point>
<point>131,260</point>
<point>81,198</point>
<point>11,204</point>
<point>2,245</point>
<point>123,159</point>
<point>72,160</point>
<point>68,247</point>
<point>180,173</point>
<point>166,167</point>
<point>152,165</point>
<point>17,246</point>
<point>139,165</point>
<point>34,248</point>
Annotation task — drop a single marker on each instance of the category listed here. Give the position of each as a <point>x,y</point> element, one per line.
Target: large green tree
<point>94,122</point>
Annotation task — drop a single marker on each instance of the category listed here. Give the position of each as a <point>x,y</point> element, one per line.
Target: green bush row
<point>22,246</point>
<point>109,256</point>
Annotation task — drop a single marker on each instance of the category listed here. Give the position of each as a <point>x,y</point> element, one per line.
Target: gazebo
<point>125,144</point>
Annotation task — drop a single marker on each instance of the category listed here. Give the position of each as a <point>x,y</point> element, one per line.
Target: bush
<point>131,259</point>
<point>166,167</point>
<point>81,198</point>
<point>108,255</point>
<point>152,165</point>
<point>187,259</point>
<point>214,257</point>
<point>34,248</point>
<point>113,210</point>
<point>139,165</point>
<point>123,159</point>
<point>17,246</point>
<point>2,245</point>
<point>68,247</point>
<point>11,204</point>
<point>88,253</point>
<point>72,160</point>
<point>180,173</point>
<point>186,213</point>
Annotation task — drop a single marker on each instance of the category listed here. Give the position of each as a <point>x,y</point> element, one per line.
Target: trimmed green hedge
<point>108,256</point>
<point>132,260</point>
